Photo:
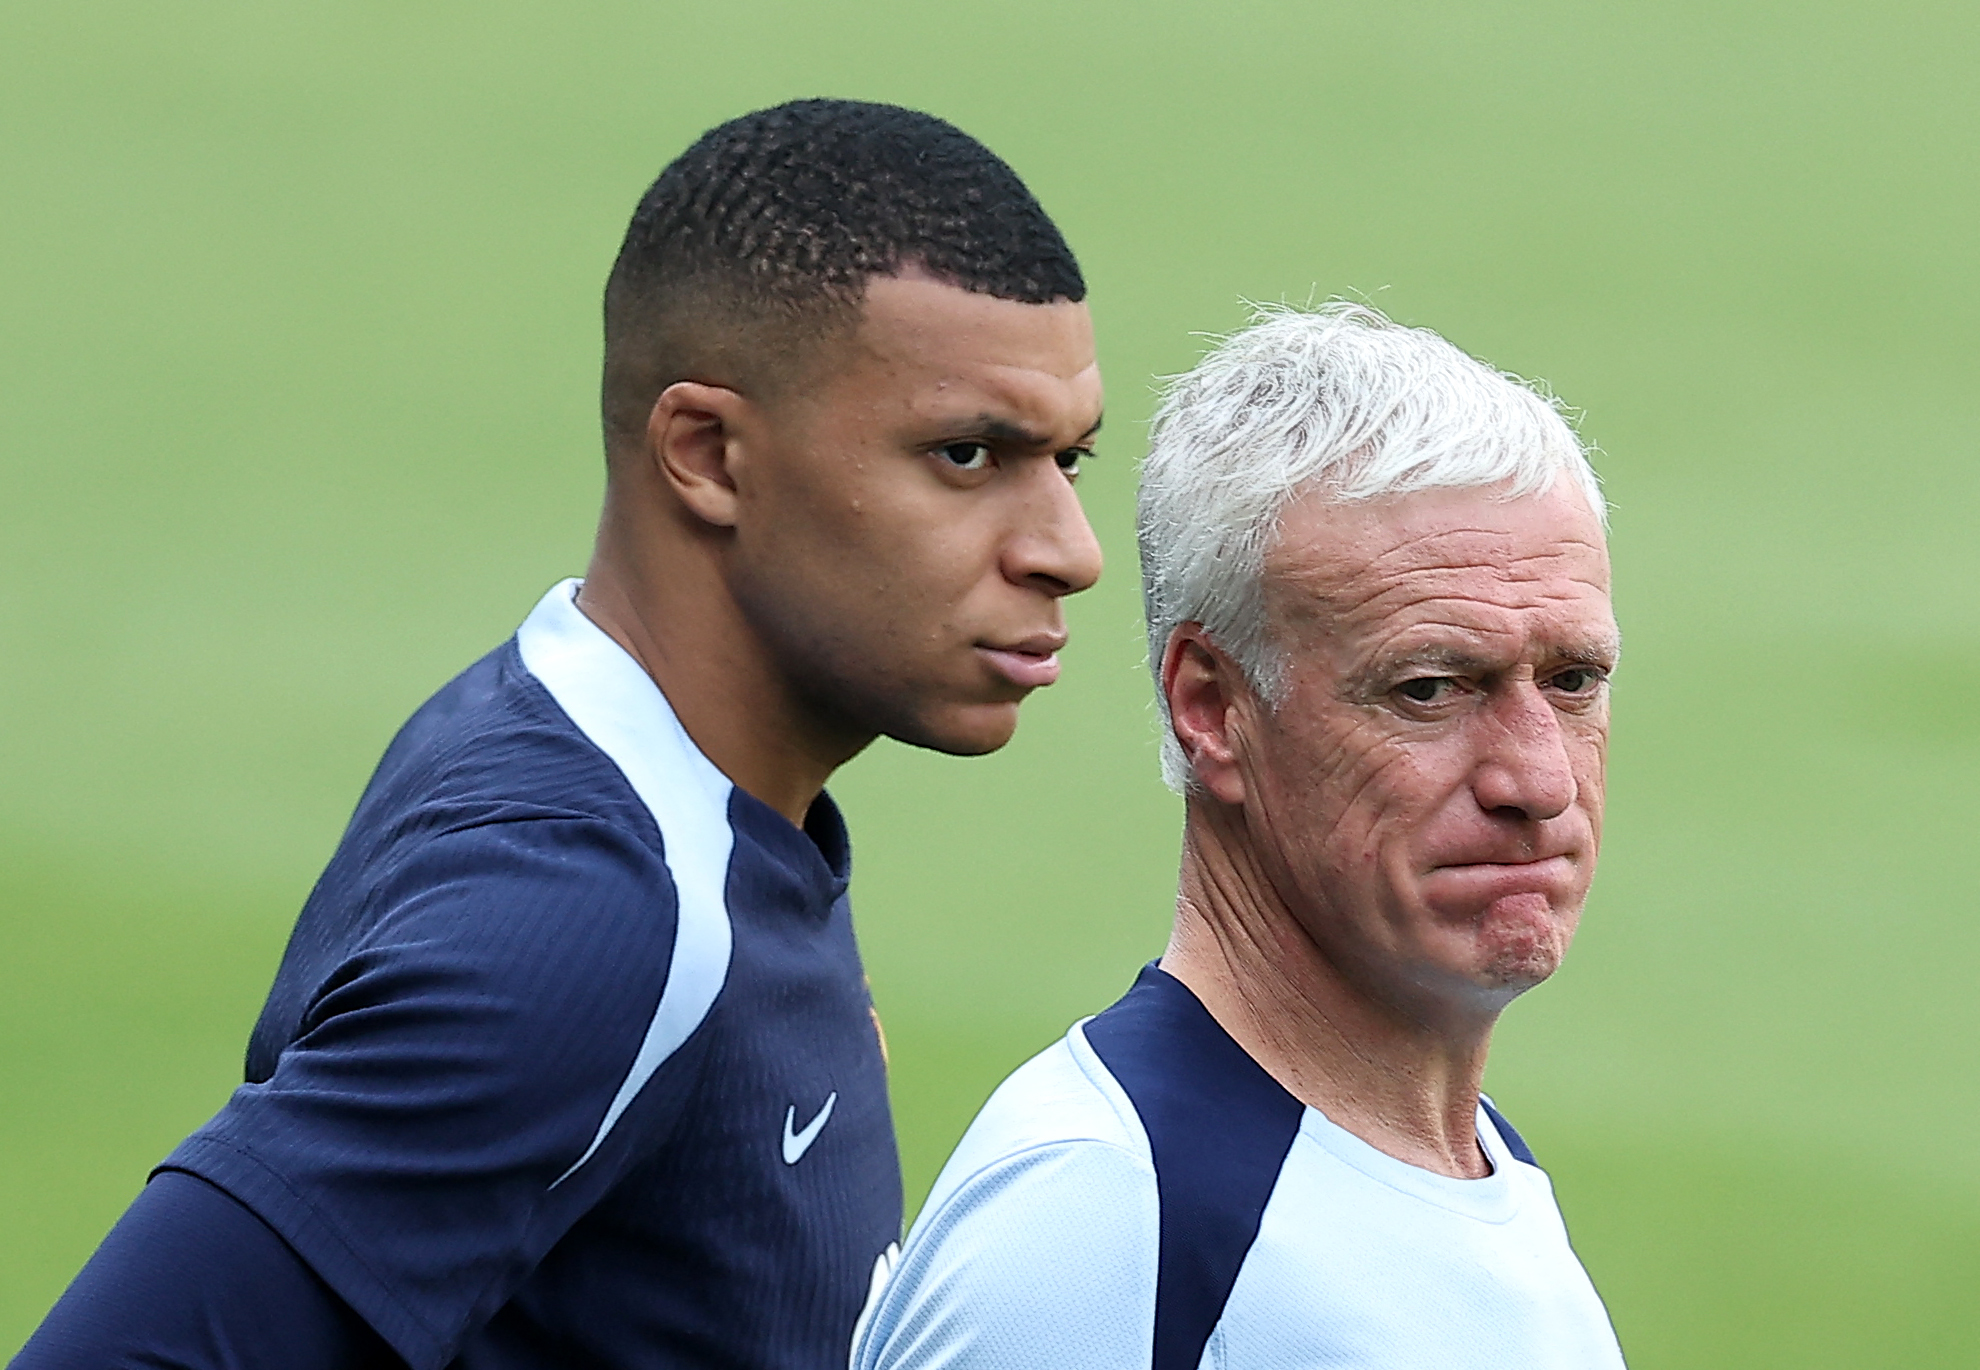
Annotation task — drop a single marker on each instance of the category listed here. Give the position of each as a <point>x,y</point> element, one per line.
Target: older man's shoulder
<point>1062,1099</point>
<point>1037,1247</point>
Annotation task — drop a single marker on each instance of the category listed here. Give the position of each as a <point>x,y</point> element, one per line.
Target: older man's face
<point>1428,794</point>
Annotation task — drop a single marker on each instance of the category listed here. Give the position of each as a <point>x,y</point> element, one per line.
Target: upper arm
<point>454,1064</point>
<point>189,1278</point>
<point>1044,1259</point>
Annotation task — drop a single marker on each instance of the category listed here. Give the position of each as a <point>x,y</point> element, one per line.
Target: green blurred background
<point>298,336</point>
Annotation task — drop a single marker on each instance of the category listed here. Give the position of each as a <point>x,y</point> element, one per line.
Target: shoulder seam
<point>1056,1144</point>
<point>408,847</point>
<point>616,706</point>
<point>1117,1099</point>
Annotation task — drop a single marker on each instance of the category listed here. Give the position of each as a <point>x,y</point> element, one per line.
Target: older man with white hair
<point>1378,612</point>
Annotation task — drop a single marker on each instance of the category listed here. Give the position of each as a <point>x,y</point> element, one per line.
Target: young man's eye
<point>1070,459</point>
<point>1428,689</point>
<point>966,456</point>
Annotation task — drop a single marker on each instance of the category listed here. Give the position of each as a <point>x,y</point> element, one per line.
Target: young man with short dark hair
<point>570,1060</point>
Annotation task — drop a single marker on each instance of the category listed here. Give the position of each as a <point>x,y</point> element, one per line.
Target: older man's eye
<point>1578,680</point>
<point>966,456</point>
<point>1425,689</point>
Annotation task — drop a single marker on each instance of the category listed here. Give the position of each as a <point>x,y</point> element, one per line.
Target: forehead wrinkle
<point>1552,626</point>
<point>1039,389</point>
<point>1548,610</point>
<point>1523,566</point>
<point>1388,598</point>
<point>1348,575</point>
<point>1468,649</point>
<point>1352,558</point>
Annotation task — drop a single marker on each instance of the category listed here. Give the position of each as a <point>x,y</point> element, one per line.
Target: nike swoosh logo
<point>797,1143</point>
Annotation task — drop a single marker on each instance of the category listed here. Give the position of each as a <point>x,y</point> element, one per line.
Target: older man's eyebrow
<point>1452,660</point>
<point>1592,651</point>
<point>1385,671</point>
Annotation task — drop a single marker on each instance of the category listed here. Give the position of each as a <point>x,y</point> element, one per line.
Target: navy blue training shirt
<point>571,1060</point>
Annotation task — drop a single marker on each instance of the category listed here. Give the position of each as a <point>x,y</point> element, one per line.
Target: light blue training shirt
<point>1144,1195</point>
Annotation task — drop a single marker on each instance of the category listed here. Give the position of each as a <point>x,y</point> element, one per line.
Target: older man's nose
<point>1524,769</point>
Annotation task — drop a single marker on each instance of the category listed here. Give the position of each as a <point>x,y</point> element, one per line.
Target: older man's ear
<point>1208,708</point>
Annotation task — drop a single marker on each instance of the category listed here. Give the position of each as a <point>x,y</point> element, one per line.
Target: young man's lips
<point>1026,669</point>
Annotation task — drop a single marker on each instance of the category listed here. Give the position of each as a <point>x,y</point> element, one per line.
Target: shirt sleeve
<point>469,1079</point>
<point>189,1279</point>
<point>1042,1260</point>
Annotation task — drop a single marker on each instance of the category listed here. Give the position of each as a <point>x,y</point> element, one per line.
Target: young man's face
<point>907,525</point>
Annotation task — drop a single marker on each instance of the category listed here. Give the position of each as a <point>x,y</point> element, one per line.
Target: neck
<point>1404,1084</point>
<point>660,594</point>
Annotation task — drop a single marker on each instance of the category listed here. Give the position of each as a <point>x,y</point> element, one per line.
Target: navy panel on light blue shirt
<point>1218,1130</point>
<point>1515,1143</point>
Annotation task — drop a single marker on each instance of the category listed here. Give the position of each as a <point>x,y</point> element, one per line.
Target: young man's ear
<point>1203,687</point>
<point>694,439</point>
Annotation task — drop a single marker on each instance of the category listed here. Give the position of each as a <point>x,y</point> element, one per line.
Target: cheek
<point>922,555</point>
<point>870,560</point>
<point>1397,785</point>
<point>1591,772</point>
<point>1337,791</point>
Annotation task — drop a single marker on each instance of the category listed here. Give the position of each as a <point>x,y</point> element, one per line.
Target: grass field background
<point>298,341</point>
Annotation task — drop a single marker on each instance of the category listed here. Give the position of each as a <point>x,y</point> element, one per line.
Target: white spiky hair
<point>1340,398</point>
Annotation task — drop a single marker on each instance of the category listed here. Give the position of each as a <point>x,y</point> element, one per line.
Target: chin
<point>1513,971</point>
<point>973,730</point>
<point>1520,951</point>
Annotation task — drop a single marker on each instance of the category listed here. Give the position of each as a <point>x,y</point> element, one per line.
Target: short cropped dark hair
<point>759,240</point>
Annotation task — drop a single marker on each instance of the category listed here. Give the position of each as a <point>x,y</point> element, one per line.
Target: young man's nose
<point>1051,546</point>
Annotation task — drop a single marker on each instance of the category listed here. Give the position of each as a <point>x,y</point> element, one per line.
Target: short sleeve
<point>190,1279</point>
<point>419,1140</point>
<point>1042,1260</point>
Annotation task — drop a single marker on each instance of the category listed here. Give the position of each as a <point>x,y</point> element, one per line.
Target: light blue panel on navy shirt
<point>525,1090</point>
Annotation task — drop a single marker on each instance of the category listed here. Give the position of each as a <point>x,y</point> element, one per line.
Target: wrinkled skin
<point>1379,861</point>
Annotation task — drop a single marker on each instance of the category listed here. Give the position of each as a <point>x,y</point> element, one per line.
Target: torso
<point>543,1078</point>
<point>1144,1194</point>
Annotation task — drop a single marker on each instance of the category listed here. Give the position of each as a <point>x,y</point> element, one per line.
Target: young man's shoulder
<point>549,971</point>
<point>490,821</point>
<point>493,746</point>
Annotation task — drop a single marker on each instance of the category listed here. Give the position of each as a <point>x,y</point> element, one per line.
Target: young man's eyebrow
<point>999,429</point>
